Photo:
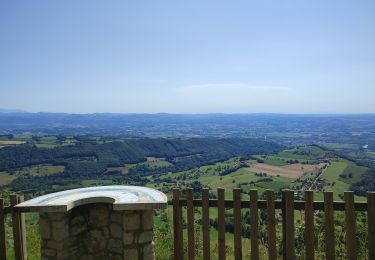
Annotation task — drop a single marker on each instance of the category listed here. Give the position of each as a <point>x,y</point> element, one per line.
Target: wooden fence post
<point>3,252</point>
<point>21,198</point>
<point>254,225</point>
<point>177,226</point>
<point>237,224</point>
<point>371,224</point>
<point>190,222</point>
<point>351,239</point>
<point>328,225</point>
<point>18,228</point>
<point>206,224</point>
<point>309,224</point>
<point>287,205</point>
<point>221,222</point>
<point>288,224</point>
<point>271,222</point>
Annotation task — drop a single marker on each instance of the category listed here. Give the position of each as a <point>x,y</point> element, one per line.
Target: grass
<point>334,170</point>
<point>273,160</point>
<point>229,237</point>
<point>52,142</point>
<point>355,171</point>
<point>32,231</point>
<point>48,139</point>
<point>46,145</point>
<point>332,174</point>
<point>6,178</point>
<point>370,154</point>
<point>87,183</point>
<point>338,145</point>
<point>11,142</point>
<point>274,185</point>
<point>36,170</point>
<point>32,238</point>
<point>307,153</point>
<point>153,162</point>
<point>124,169</point>
<point>208,177</point>
<point>44,169</point>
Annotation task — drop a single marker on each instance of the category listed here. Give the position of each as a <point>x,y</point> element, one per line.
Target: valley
<point>39,165</point>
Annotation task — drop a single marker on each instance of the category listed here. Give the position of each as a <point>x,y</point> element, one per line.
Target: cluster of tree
<point>183,154</point>
<point>231,169</point>
<point>367,183</point>
<point>292,161</point>
<point>261,174</point>
<point>346,175</point>
<point>7,136</point>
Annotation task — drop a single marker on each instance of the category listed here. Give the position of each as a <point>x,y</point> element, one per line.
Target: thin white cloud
<point>231,87</point>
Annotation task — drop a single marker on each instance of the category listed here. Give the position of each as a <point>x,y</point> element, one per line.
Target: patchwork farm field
<point>151,163</point>
<point>35,170</point>
<point>5,143</point>
<point>10,142</point>
<point>290,170</point>
<point>299,168</point>
<point>6,178</point>
<point>339,176</point>
<point>333,174</point>
<point>276,172</point>
<point>53,141</point>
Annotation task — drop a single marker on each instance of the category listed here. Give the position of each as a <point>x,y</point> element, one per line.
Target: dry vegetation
<point>291,170</point>
<point>11,142</point>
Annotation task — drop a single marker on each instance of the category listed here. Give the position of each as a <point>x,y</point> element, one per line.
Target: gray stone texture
<point>95,231</point>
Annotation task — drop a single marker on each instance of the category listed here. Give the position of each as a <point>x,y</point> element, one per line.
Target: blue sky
<point>188,56</point>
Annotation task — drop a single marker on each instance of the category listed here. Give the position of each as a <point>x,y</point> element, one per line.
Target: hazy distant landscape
<point>43,153</point>
<point>99,146</point>
<point>356,129</point>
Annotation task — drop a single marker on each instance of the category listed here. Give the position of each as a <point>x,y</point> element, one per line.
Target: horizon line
<point>18,111</point>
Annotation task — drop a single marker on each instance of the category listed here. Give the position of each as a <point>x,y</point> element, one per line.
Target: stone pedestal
<point>106,222</point>
<point>96,231</point>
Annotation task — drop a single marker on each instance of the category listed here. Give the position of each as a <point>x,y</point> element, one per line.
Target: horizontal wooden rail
<point>262,204</point>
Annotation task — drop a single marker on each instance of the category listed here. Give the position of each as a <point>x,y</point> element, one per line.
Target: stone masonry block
<point>56,216</point>
<point>95,241</point>
<point>147,219</point>
<point>131,254</point>
<point>128,238</point>
<point>116,217</point>
<point>145,237</point>
<point>98,215</point>
<point>44,227</point>
<point>115,245</point>
<point>60,230</point>
<point>131,222</point>
<point>116,230</point>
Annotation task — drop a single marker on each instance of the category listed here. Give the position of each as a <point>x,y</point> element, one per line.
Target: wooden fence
<point>287,205</point>
<point>18,225</point>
